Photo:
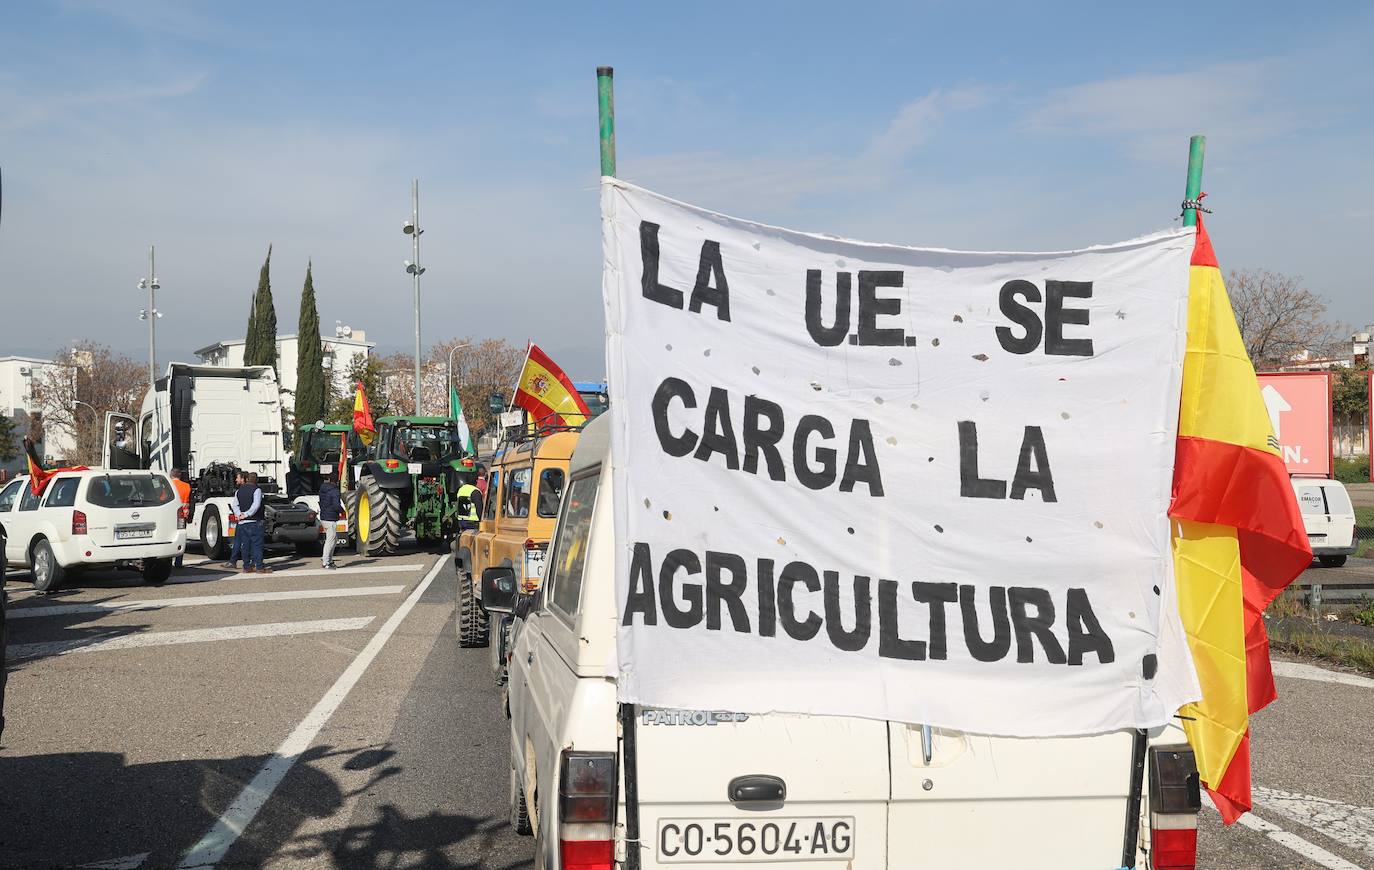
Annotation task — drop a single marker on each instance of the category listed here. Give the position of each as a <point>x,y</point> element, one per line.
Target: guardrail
<point>1314,595</point>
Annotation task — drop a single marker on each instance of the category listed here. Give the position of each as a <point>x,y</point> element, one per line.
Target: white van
<point>605,785</point>
<point>1328,516</point>
<point>93,519</point>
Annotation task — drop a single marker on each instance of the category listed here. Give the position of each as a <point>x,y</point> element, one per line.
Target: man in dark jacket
<point>330,508</point>
<point>249,502</point>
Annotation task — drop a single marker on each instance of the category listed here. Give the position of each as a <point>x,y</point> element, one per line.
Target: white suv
<point>93,519</point>
<point>606,785</point>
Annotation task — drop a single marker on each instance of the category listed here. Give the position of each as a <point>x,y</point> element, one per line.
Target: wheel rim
<point>212,532</point>
<point>42,564</point>
<point>364,516</point>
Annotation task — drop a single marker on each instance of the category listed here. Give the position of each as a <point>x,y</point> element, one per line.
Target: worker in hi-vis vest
<point>469,503</point>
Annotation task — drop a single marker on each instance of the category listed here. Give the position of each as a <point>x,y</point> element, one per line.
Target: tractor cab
<point>319,453</point>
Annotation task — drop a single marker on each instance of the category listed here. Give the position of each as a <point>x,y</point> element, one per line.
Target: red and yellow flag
<point>1238,535</point>
<point>548,394</point>
<point>38,476</point>
<point>362,416</point>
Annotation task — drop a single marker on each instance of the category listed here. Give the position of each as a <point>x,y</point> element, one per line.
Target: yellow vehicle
<point>525,482</point>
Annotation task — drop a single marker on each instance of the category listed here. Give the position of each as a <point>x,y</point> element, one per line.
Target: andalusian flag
<point>548,394</point>
<point>362,417</point>
<point>1238,535</point>
<point>455,412</point>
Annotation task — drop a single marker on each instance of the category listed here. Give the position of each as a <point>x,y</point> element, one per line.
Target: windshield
<point>428,443</point>
<point>597,402</point>
<point>323,446</point>
<point>129,490</point>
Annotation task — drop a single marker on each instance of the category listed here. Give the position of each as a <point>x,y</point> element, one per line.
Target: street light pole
<point>450,365</point>
<point>151,314</point>
<point>412,229</point>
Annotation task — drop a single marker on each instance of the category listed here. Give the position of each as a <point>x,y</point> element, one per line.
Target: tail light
<point>79,522</point>
<point>183,514</point>
<point>1175,799</point>
<point>586,810</point>
<point>532,544</point>
<point>392,463</point>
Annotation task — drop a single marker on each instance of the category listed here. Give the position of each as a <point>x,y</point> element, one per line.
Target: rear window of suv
<point>129,491</point>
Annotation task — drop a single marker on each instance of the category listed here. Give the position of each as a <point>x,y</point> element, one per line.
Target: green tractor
<point>318,454</point>
<point>408,479</point>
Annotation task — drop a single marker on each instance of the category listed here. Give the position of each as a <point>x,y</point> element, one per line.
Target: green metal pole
<point>1197,147</point>
<point>605,92</point>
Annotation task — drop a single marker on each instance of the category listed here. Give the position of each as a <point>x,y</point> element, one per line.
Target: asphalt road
<point>134,729</point>
<point>131,732</point>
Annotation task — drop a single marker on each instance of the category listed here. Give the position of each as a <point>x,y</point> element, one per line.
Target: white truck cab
<point>606,785</point>
<point>1328,517</point>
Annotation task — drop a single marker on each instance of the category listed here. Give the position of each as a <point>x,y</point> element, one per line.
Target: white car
<point>93,519</point>
<point>1328,516</point>
<point>605,785</point>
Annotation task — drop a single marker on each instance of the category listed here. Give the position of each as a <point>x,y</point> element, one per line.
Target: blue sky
<point>213,130</point>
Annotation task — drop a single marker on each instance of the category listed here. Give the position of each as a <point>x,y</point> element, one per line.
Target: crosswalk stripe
<point>303,572</point>
<point>197,635</point>
<point>1309,850</point>
<point>1301,671</point>
<point>1347,824</point>
<point>198,600</point>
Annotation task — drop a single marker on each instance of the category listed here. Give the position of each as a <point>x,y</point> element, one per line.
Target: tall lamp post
<point>451,350</point>
<point>413,267</point>
<point>151,314</point>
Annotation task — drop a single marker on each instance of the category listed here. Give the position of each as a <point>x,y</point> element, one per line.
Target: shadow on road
<point>76,808</point>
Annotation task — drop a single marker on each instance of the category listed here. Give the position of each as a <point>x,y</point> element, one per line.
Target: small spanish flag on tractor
<point>1238,535</point>
<point>362,417</point>
<point>548,394</point>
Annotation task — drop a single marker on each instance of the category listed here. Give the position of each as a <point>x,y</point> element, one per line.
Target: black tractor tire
<point>212,541</point>
<point>48,573</point>
<point>473,628</point>
<point>384,520</point>
<point>1331,561</point>
<point>349,499</point>
<point>156,571</point>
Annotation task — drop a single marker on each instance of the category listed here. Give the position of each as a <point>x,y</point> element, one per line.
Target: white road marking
<point>1310,851</point>
<point>302,572</point>
<point>128,862</point>
<point>198,600</point>
<point>197,635</point>
<point>1349,825</point>
<point>216,843</point>
<point>1300,671</point>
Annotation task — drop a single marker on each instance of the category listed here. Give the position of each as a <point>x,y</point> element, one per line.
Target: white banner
<point>899,483</point>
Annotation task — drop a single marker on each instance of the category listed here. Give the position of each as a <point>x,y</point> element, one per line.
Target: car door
<point>524,718</point>
<point>9,502</point>
<point>23,522</point>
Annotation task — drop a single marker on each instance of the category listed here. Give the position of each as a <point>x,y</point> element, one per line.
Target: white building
<point>346,345</point>
<point>18,374</point>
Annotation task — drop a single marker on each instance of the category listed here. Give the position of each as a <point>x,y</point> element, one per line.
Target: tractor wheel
<point>472,619</point>
<point>377,523</point>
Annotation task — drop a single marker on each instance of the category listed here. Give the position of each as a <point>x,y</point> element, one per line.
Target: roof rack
<point>535,429</point>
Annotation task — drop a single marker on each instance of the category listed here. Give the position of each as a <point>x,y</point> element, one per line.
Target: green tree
<point>369,372</point>
<point>260,345</point>
<point>9,439</point>
<point>1350,394</point>
<point>312,393</point>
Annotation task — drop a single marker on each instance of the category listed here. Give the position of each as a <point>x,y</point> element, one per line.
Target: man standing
<point>184,493</point>
<point>469,503</point>
<point>249,501</point>
<point>237,547</point>
<point>330,508</point>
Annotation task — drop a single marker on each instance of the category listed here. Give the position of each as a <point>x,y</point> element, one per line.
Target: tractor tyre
<point>377,527</point>
<point>472,619</point>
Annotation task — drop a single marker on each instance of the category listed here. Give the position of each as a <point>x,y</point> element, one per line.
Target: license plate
<point>534,565</point>
<point>705,841</point>
<point>125,534</point>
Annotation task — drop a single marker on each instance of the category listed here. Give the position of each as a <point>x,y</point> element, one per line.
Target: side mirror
<point>499,590</point>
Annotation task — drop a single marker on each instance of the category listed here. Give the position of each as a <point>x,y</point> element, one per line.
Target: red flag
<point>38,476</point>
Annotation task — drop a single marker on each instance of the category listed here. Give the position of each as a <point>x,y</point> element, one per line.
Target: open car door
<point>121,441</point>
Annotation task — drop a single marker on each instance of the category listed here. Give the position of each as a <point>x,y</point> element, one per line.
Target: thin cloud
<point>28,109</point>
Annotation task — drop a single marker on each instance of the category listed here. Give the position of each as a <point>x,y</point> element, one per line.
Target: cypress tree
<point>312,392</point>
<point>260,349</point>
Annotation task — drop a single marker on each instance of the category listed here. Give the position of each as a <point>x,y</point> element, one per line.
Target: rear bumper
<point>1334,550</point>
<point>295,534</point>
<point>83,551</point>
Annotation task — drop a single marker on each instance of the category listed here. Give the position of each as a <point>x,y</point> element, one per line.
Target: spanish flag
<point>362,416</point>
<point>1238,535</point>
<point>548,394</point>
<point>38,476</point>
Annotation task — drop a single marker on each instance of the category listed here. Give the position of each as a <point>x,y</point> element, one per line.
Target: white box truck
<point>212,422</point>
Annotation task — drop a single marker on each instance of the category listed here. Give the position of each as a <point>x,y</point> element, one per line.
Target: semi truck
<point>213,422</point>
